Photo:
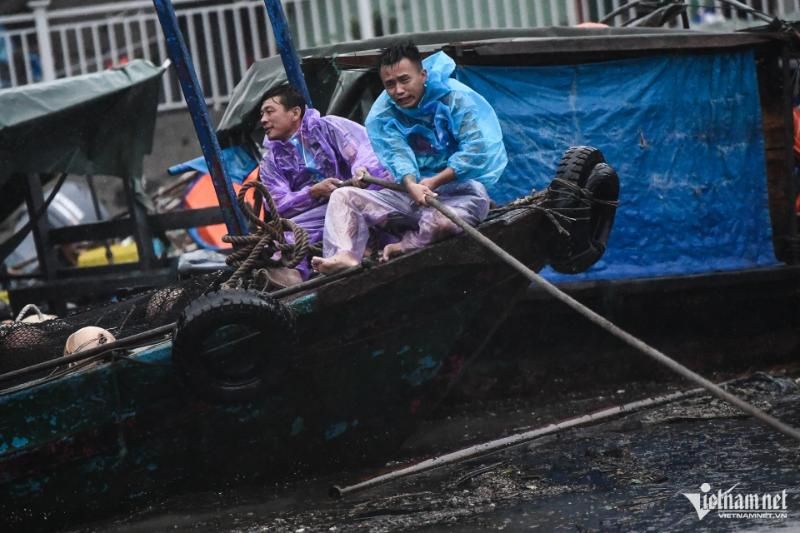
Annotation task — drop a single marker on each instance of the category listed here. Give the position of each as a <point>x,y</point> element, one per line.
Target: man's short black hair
<point>393,54</point>
<point>287,96</point>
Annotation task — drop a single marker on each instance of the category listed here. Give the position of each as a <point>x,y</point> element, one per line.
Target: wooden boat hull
<point>377,350</point>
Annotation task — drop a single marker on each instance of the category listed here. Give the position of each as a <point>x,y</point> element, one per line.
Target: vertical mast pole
<point>283,39</point>
<point>195,100</point>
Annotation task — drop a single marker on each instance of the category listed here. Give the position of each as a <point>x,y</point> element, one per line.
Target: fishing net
<point>580,204</point>
<point>23,344</point>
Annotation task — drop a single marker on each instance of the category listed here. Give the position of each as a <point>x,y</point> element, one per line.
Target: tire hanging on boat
<point>588,238</point>
<point>232,345</point>
<point>582,170</point>
<point>575,167</point>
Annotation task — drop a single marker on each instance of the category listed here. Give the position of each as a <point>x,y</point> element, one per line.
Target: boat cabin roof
<point>333,71</point>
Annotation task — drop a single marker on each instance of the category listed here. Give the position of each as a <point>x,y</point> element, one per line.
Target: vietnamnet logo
<point>729,504</point>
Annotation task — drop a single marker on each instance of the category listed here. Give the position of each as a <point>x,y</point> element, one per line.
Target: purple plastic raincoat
<point>325,147</point>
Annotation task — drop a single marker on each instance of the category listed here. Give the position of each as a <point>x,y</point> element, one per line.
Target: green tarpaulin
<point>100,123</point>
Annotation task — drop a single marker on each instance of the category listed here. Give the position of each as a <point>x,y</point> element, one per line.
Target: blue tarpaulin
<point>684,133</point>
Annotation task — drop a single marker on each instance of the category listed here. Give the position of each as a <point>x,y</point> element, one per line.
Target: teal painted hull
<point>377,350</point>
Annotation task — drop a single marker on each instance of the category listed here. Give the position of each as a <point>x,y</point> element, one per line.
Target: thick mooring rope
<point>604,322</point>
<point>613,328</point>
<point>254,251</point>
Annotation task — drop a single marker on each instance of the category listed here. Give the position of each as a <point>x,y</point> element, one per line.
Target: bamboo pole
<point>486,448</point>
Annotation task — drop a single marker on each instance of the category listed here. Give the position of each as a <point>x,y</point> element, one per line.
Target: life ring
<point>589,235</point>
<point>232,345</point>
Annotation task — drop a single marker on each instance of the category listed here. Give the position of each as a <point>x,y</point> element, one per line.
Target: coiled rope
<point>254,252</point>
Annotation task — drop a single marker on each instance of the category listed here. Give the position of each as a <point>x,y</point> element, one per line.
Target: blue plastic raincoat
<point>452,126</point>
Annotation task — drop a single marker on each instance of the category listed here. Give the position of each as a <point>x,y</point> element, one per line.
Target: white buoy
<point>85,338</point>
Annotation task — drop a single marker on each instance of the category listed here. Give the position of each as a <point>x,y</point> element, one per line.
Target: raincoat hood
<point>440,67</point>
<point>452,126</point>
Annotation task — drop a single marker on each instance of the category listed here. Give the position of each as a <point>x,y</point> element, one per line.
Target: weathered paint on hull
<point>125,431</point>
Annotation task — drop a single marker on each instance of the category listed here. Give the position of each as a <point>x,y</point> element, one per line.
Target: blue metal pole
<point>193,94</point>
<point>283,38</point>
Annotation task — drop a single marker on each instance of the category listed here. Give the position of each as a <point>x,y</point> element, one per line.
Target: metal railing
<point>225,38</point>
<point>702,11</point>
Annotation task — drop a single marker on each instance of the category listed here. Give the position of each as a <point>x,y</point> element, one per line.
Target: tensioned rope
<point>614,329</point>
<point>601,321</point>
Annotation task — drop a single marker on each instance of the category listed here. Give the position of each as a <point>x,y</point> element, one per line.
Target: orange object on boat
<point>796,114</point>
<point>201,194</point>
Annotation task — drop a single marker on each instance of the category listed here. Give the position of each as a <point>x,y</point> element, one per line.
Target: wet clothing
<point>357,210</point>
<point>313,222</point>
<point>453,126</point>
<point>323,147</point>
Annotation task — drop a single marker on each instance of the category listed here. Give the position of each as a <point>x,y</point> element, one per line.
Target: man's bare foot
<point>283,277</point>
<point>392,250</point>
<point>334,263</point>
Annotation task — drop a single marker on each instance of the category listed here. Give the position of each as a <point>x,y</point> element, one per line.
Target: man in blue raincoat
<point>437,137</point>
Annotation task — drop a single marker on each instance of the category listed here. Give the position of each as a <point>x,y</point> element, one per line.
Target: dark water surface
<point>623,474</point>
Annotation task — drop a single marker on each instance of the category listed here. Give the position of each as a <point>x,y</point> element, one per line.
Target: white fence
<point>224,38</point>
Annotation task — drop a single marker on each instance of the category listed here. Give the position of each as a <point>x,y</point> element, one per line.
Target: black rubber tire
<point>588,238</point>
<point>576,166</point>
<point>603,183</point>
<point>233,345</point>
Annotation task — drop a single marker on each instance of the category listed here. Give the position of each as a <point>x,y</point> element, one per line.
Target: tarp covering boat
<point>65,126</point>
<point>685,133</point>
<point>327,81</point>
<point>679,116</point>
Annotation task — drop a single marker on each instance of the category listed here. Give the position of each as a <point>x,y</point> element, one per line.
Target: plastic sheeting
<point>330,87</point>
<point>450,127</point>
<point>99,123</point>
<point>684,134</point>
<point>237,161</point>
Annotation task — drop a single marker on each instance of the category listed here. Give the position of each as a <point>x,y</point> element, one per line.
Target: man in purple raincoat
<point>307,157</point>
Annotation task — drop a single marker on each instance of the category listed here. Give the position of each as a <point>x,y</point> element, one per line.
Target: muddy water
<point>625,474</point>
